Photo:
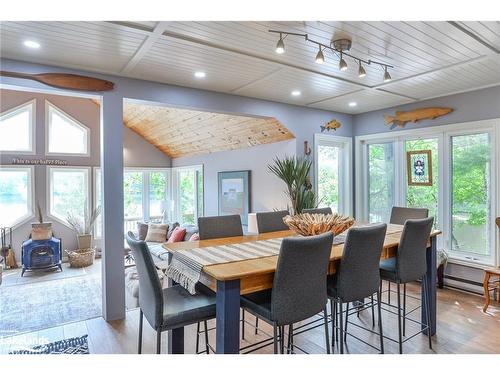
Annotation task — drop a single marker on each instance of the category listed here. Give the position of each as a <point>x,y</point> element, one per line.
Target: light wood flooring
<point>462,328</point>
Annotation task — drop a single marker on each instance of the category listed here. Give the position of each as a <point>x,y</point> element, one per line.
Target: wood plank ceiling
<point>430,59</point>
<point>180,132</point>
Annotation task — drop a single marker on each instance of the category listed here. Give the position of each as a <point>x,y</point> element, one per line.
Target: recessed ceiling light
<point>200,74</point>
<point>353,104</point>
<point>31,44</point>
<point>296,93</point>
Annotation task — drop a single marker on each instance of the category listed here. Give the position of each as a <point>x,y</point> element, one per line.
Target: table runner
<point>187,265</point>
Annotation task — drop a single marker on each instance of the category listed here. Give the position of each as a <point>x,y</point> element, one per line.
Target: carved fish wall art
<point>401,118</point>
<point>331,125</point>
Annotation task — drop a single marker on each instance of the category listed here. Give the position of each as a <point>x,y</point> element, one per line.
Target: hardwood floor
<point>462,328</point>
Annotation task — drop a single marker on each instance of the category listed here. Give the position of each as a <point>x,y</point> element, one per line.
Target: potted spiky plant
<point>83,228</point>
<point>40,230</point>
<point>294,172</point>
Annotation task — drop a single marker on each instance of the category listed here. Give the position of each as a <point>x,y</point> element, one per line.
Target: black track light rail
<point>284,34</point>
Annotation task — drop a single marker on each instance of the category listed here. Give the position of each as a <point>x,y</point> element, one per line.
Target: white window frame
<point>31,104</point>
<point>176,198</point>
<point>50,189</point>
<point>31,194</point>
<point>68,117</point>
<point>443,133</point>
<point>345,168</point>
<point>94,198</point>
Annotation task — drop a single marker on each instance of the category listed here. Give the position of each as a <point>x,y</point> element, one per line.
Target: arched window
<point>65,135</point>
<point>16,129</point>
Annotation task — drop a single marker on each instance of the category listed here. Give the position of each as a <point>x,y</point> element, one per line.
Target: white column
<point>113,279</point>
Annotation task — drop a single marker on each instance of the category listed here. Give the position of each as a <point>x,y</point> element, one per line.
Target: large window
<point>16,195</point>
<point>68,192</point>
<point>65,135</point>
<point>381,182</point>
<point>188,194</point>
<point>17,127</point>
<point>333,171</point>
<point>471,195</point>
<point>463,197</point>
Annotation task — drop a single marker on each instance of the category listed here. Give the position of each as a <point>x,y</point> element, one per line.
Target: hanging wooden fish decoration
<point>401,118</point>
<point>331,125</point>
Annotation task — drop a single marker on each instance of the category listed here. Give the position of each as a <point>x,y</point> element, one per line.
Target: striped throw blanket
<point>187,265</point>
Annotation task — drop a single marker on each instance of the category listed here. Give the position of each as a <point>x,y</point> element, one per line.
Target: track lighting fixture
<point>361,70</point>
<point>339,47</point>
<point>387,76</point>
<point>342,63</point>
<point>280,46</point>
<point>320,58</point>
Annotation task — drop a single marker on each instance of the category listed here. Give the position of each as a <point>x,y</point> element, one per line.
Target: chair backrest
<point>358,275</point>
<point>150,291</point>
<point>271,221</point>
<point>411,261</point>
<point>321,210</point>
<point>299,286</point>
<point>400,214</point>
<point>219,226</point>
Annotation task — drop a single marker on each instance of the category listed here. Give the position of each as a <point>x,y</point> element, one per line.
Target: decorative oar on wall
<point>65,81</point>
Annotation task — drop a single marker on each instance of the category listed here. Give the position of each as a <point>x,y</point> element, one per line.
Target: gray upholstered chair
<point>319,210</point>
<point>168,308</point>
<point>357,276</point>
<point>299,287</point>
<point>271,221</point>
<point>400,214</point>
<point>409,265</point>
<point>219,226</point>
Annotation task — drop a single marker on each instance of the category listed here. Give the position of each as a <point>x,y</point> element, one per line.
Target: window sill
<point>469,263</point>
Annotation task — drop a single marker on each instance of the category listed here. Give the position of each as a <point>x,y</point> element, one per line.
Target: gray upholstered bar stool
<point>399,215</point>
<point>169,308</point>
<point>319,210</point>
<point>299,287</point>
<point>271,221</point>
<point>409,265</point>
<point>357,278</point>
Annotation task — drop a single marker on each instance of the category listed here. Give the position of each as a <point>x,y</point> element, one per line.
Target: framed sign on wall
<point>234,194</point>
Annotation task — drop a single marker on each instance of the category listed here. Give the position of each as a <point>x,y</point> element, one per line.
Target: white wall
<point>266,188</point>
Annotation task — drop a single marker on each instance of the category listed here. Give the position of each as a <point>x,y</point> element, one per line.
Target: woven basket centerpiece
<point>313,224</point>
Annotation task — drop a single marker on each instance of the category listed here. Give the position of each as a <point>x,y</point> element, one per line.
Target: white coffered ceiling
<point>430,59</point>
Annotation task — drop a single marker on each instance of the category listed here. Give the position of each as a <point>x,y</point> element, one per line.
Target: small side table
<point>491,285</point>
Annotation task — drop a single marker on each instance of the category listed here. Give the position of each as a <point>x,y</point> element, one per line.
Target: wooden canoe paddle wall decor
<point>65,81</point>
<point>401,118</point>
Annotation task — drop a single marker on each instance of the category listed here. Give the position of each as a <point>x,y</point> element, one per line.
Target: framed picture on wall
<point>419,167</point>
<point>234,194</point>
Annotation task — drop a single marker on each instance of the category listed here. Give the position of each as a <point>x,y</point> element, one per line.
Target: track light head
<point>361,71</point>
<point>280,46</point>
<point>342,63</point>
<point>320,58</point>
<point>387,76</point>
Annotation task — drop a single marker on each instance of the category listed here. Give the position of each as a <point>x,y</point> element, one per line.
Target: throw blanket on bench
<point>187,265</point>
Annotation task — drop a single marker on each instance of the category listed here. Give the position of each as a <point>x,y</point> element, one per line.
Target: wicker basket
<point>313,224</point>
<point>81,257</point>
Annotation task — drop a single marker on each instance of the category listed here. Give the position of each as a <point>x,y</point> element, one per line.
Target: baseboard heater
<point>465,283</point>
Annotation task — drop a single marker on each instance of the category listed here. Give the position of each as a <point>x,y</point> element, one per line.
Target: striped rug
<point>187,265</point>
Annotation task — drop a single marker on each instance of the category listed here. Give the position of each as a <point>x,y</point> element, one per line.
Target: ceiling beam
<point>144,48</point>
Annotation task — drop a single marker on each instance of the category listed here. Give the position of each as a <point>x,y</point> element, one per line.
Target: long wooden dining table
<point>230,280</point>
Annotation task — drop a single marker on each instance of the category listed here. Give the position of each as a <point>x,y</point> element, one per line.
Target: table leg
<point>228,317</point>
<point>486,286</point>
<point>431,291</point>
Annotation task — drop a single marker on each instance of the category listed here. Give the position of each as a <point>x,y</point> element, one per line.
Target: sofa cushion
<point>157,233</point>
<point>177,235</point>
<point>158,250</point>
<point>171,229</point>
<point>190,230</point>
<point>195,237</point>
<point>142,230</point>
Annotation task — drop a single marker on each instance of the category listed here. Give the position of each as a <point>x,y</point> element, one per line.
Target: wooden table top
<point>255,271</point>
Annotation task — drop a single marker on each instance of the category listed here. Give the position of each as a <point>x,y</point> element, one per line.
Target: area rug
<point>40,305</point>
<point>75,345</point>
